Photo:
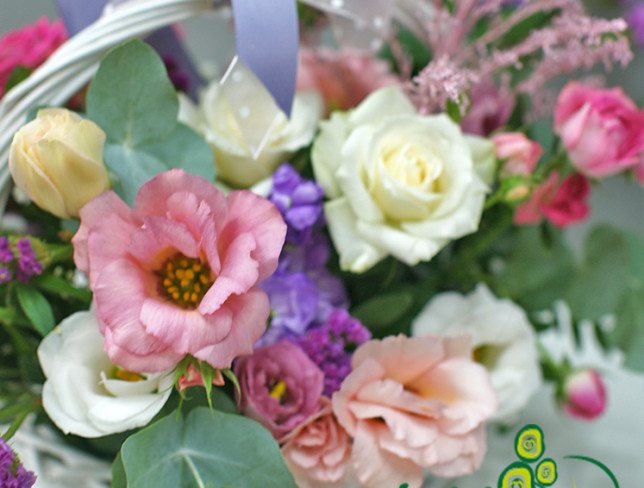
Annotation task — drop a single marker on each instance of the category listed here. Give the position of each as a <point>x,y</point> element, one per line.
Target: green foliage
<point>134,102</point>
<point>17,76</point>
<point>384,310</point>
<point>608,279</point>
<point>36,308</point>
<point>206,449</point>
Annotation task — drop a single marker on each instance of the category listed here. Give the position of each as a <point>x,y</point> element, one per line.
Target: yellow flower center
<point>185,281</point>
<point>279,390</point>
<point>124,375</point>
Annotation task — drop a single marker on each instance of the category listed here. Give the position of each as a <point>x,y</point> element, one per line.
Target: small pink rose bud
<point>520,154</point>
<point>584,394</point>
<point>192,377</point>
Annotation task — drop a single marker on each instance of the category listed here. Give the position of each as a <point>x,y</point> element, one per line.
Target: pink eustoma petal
<point>250,213</point>
<point>160,238</point>
<point>250,313</point>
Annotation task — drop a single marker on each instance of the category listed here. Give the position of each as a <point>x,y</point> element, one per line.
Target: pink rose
<point>414,403</point>
<point>178,274</point>
<point>280,387</point>
<point>29,46</point>
<point>602,130</point>
<point>343,78</point>
<point>584,395</point>
<point>318,451</point>
<point>563,203</point>
<point>519,153</point>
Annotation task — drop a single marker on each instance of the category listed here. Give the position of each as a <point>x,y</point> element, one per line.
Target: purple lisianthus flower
<point>12,473</point>
<point>28,264</point>
<point>280,387</point>
<point>310,255</point>
<point>5,275</point>
<point>298,200</point>
<point>490,109</point>
<point>331,345</point>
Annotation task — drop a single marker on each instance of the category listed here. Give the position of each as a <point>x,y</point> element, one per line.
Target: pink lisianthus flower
<point>584,395</point>
<point>280,387</point>
<point>562,203</point>
<point>318,451</point>
<point>178,273</point>
<point>602,130</point>
<point>519,154</point>
<point>29,46</point>
<point>343,78</point>
<point>412,404</point>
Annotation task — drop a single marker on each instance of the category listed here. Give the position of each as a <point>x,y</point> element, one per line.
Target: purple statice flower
<point>12,473</point>
<point>635,19</point>
<point>28,264</point>
<point>6,254</point>
<point>5,275</point>
<point>298,200</point>
<point>331,345</point>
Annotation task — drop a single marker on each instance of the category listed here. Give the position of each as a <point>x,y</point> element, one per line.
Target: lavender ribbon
<point>267,42</point>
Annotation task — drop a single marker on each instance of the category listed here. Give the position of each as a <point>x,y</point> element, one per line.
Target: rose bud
<point>584,394</point>
<point>57,160</point>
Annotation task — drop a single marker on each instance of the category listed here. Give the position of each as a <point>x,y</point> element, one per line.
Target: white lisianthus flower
<point>236,166</point>
<point>399,183</point>
<point>85,394</point>
<point>502,337</point>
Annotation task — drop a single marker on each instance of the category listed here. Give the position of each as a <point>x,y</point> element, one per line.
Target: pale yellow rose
<point>57,160</point>
<point>236,163</point>
<point>398,183</point>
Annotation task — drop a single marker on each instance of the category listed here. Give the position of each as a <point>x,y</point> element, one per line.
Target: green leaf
<point>206,449</point>
<point>119,479</point>
<point>134,102</point>
<point>36,308</point>
<point>60,286</point>
<point>384,310</point>
<point>17,76</point>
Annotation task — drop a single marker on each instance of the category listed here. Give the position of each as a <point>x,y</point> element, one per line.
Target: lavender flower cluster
<point>27,265</point>
<point>308,303</point>
<point>12,473</point>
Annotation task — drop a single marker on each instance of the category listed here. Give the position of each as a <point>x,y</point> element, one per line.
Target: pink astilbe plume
<point>570,41</point>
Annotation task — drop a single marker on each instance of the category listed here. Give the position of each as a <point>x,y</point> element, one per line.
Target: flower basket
<point>332,267</point>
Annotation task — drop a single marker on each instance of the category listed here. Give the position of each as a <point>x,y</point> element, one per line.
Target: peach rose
<point>318,451</point>
<point>415,403</point>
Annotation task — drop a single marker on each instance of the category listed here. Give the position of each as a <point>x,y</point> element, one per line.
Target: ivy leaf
<point>36,308</point>
<point>132,99</point>
<point>207,448</point>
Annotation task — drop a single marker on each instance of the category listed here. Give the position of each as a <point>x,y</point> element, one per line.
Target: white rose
<point>82,395</point>
<point>215,121</point>
<point>502,338</point>
<point>399,183</point>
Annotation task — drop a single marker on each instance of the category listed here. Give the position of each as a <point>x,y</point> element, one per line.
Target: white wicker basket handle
<point>75,62</point>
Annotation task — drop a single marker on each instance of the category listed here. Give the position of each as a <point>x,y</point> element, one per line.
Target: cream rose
<point>502,337</point>
<point>399,183</point>
<point>85,394</point>
<point>57,160</point>
<point>214,119</point>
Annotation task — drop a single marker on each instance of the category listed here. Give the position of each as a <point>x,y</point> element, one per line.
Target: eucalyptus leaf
<point>206,449</point>
<point>36,308</point>
<point>119,479</point>
<point>132,99</point>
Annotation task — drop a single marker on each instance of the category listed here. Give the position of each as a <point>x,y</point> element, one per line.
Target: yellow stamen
<point>184,280</point>
<point>279,390</point>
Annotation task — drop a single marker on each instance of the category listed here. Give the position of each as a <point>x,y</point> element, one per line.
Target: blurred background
<point>616,438</point>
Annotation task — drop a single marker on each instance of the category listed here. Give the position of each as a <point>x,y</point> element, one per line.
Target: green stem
<point>20,342</point>
<point>551,369</point>
<point>20,418</point>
